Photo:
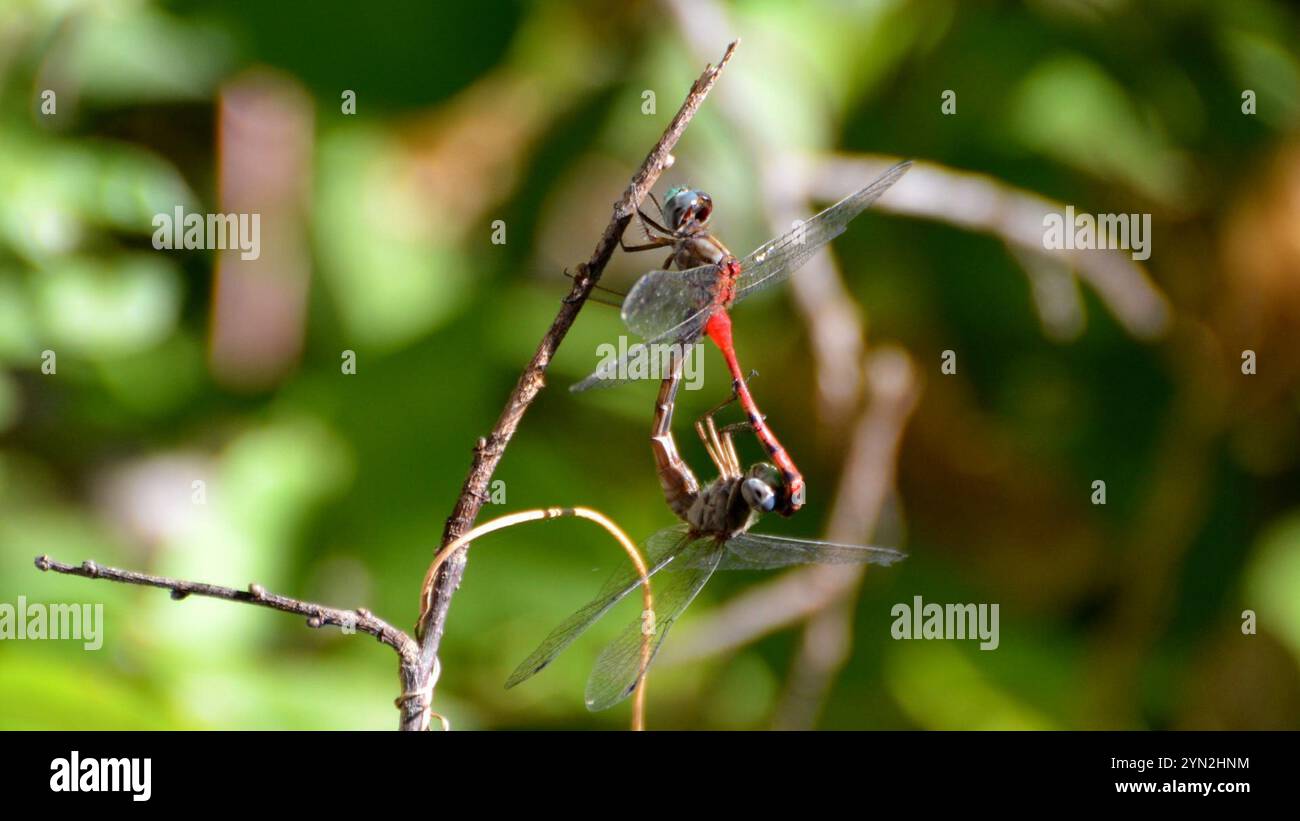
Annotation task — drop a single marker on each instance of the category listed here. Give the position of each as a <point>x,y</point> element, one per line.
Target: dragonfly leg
<point>718,446</point>
<point>574,276</point>
<point>714,443</point>
<point>721,448</point>
<point>645,218</point>
<point>730,446</point>
<point>645,228</point>
<point>655,242</point>
<point>735,394</point>
<point>736,427</point>
<point>570,299</point>
<point>713,448</point>
<point>655,200</point>
<point>646,223</point>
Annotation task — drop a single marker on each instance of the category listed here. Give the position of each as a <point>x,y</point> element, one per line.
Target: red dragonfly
<point>713,535</point>
<point>667,307</point>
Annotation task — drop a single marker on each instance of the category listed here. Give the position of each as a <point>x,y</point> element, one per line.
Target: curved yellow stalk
<point>629,547</point>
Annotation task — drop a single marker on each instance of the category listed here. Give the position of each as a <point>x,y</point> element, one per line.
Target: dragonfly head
<point>682,204</point>
<point>762,488</point>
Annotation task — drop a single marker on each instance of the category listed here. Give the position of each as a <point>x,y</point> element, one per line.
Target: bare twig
<point>318,615</point>
<point>488,451</point>
<point>629,547</point>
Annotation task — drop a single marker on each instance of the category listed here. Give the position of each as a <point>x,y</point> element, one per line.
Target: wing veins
<point>671,541</point>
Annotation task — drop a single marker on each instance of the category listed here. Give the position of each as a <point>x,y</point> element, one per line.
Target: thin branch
<point>318,615</point>
<point>489,450</point>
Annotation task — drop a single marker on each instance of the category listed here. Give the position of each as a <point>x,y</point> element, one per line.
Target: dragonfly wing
<point>777,259</point>
<point>622,663</point>
<point>658,549</point>
<point>611,372</point>
<point>750,551</point>
<point>618,371</point>
<point>665,304</point>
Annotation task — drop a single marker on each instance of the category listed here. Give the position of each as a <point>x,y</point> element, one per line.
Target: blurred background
<point>190,366</point>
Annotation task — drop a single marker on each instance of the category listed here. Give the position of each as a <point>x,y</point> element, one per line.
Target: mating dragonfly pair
<point>675,308</point>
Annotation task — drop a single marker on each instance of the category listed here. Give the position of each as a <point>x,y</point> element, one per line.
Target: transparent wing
<point>620,665</point>
<point>621,370</point>
<point>663,302</point>
<point>750,551</point>
<point>659,549</point>
<point>611,373</point>
<point>673,306</point>
<point>774,261</point>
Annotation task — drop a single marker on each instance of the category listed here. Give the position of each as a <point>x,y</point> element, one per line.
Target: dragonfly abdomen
<point>675,477</point>
<point>681,490</point>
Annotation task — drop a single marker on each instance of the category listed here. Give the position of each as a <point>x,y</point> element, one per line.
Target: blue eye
<point>758,495</point>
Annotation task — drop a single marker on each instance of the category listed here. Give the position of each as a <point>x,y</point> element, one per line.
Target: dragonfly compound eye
<point>680,204</point>
<point>703,207</point>
<point>758,495</point>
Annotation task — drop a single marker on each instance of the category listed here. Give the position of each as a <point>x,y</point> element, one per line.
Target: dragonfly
<point>673,308</point>
<point>713,535</point>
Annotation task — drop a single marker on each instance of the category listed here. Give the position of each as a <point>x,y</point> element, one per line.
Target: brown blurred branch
<point>867,482</point>
<point>824,647</point>
<point>978,202</point>
<point>488,451</point>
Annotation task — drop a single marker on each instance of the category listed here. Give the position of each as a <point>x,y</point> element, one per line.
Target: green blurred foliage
<point>335,487</point>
